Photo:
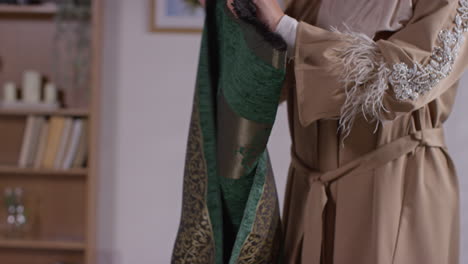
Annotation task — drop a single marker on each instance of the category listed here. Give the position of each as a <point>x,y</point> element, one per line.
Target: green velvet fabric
<point>251,86</point>
<point>235,194</point>
<point>206,91</point>
<point>250,210</point>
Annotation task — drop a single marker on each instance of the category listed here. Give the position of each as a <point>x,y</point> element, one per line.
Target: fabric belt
<point>319,181</point>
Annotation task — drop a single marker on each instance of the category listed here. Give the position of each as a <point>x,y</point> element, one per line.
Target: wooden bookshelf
<point>59,112</point>
<point>24,10</point>
<point>41,245</point>
<point>11,170</point>
<point>65,200</point>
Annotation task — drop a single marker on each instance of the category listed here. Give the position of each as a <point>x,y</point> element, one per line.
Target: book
<point>30,141</point>
<point>67,128</point>
<point>27,139</point>
<point>40,121</point>
<point>39,156</point>
<point>54,137</point>
<point>82,152</point>
<point>72,146</point>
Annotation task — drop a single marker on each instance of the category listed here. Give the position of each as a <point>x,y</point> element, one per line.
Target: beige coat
<point>384,189</point>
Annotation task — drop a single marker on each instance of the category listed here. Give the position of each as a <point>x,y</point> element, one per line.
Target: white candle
<point>50,93</point>
<point>9,92</point>
<point>31,87</point>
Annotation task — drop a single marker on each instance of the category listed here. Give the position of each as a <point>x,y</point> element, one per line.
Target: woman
<point>384,74</point>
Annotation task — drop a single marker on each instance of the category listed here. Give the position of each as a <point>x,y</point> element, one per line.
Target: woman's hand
<point>269,12</point>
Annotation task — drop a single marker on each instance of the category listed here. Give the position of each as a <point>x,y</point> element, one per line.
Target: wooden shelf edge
<point>61,112</point>
<point>45,9</point>
<point>48,172</point>
<point>42,244</point>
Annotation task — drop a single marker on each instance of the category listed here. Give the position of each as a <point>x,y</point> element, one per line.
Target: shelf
<point>65,230</point>
<point>43,10</point>
<point>61,112</point>
<point>42,172</point>
<point>42,245</point>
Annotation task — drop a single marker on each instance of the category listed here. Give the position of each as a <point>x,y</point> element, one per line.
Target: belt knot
<point>318,181</point>
<point>315,176</point>
<point>432,137</point>
<point>419,136</point>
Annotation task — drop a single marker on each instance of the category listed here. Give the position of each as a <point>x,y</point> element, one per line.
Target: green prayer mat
<point>230,211</point>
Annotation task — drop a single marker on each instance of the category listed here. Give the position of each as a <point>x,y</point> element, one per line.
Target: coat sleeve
<point>345,74</point>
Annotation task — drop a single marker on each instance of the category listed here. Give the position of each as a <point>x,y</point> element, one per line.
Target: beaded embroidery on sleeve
<point>367,76</point>
<point>409,83</point>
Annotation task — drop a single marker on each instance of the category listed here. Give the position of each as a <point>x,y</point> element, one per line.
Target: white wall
<point>457,140</point>
<point>147,92</point>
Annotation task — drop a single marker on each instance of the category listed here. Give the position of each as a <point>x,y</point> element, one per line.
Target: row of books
<point>54,143</point>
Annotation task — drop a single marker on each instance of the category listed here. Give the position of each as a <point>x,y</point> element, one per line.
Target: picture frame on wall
<point>179,16</point>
